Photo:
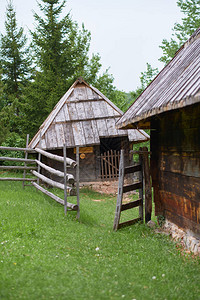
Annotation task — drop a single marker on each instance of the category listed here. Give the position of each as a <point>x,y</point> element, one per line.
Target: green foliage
<point>61,55</point>
<point>13,55</point>
<point>145,79</point>
<point>45,255</point>
<point>182,31</point>
<point>12,140</point>
<point>15,74</point>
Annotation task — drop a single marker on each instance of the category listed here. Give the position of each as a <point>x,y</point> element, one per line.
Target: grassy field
<point>45,255</point>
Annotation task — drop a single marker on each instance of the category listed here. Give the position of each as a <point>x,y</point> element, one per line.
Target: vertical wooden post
<point>39,159</point>
<point>141,190</point>
<point>148,190</point>
<point>65,178</point>
<point>102,167</point>
<point>26,156</point>
<point>106,170</point>
<point>120,192</point>
<point>77,181</point>
<point>112,163</point>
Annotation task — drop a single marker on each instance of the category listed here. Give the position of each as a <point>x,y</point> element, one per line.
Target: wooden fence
<point>36,165</point>
<point>110,165</point>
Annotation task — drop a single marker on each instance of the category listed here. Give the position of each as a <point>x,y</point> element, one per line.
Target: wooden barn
<point>84,117</point>
<point>170,107</point>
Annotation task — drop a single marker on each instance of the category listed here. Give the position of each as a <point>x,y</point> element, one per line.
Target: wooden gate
<point>110,161</point>
<point>143,184</point>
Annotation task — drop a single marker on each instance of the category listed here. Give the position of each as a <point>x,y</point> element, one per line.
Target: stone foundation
<point>186,238</point>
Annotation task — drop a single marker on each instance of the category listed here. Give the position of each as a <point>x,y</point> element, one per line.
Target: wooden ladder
<point>127,188</point>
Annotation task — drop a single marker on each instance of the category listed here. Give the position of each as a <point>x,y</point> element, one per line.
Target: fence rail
<point>68,178</point>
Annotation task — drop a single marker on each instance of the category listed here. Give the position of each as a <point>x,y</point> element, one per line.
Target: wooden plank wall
<point>175,166</point>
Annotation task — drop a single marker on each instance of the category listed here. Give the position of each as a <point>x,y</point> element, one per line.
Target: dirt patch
<point>106,187</point>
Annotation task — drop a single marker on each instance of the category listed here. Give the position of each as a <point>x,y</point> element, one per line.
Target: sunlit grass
<point>45,255</point>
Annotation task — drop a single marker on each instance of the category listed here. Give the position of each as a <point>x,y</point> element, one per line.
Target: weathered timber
<point>148,190</point>
<point>18,149</point>
<point>120,192</point>
<point>132,169</point>
<point>183,222</point>
<point>17,168</point>
<point>132,187</point>
<point>131,204</point>
<point>29,161</point>
<point>77,181</point>
<point>49,181</point>
<point>70,177</point>
<point>141,213</point>
<point>69,161</point>
<point>181,206</point>
<point>65,175</point>
<point>186,187</point>
<point>16,179</point>
<point>128,223</point>
<point>26,156</point>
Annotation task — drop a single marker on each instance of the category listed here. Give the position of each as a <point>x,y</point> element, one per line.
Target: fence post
<point>141,189</point>
<point>26,156</point>
<point>77,181</point>
<point>148,192</point>
<point>120,192</point>
<point>65,179</point>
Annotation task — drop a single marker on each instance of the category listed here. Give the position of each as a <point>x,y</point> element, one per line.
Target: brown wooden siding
<point>175,166</point>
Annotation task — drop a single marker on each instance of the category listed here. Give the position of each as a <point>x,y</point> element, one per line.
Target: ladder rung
<point>127,223</point>
<point>132,187</point>
<point>132,169</point>
<point>131,204</point>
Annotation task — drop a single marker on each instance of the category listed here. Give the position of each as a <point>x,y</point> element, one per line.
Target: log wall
<point>175,166</point>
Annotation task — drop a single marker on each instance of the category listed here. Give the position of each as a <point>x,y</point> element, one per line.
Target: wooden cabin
<point>84,117</point>
<point>170,107</point>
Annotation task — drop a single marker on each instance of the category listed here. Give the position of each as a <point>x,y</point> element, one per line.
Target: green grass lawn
<point>46,255</point>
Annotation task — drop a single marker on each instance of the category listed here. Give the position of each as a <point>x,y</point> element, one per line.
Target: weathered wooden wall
<point>175,166</point>
<point>88,165</point>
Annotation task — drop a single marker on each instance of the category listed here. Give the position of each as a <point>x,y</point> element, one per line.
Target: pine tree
<point>13,55</point>
<point>15,70</point>
<point>61,52</point>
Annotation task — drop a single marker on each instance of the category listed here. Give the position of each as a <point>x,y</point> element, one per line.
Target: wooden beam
<point>70,177</point>
<point>17,168</point>
<point>65,175</point>
<point>16,179</point>
<point>69,161</point>
<point>132,187</point>
<point>29,161</point>
<point>132,169</point>
<point>119,193</point>
<point>148,188</point>
<point>128,223</point>
<point>56,198</point>
<point>141,208</point>
<point>131,204</point>
<point>18,149</point>
<point>50,181</point>
<point>77,181</point>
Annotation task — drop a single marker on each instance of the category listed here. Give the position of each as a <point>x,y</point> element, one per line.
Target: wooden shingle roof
<point>176,86</point>
<point>81,117</point>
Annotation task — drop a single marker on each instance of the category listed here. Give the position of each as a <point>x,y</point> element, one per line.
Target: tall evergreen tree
<point>13,55</point>
<point>15,69</point>
<point>182,31</point>
<point>61,52</point>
